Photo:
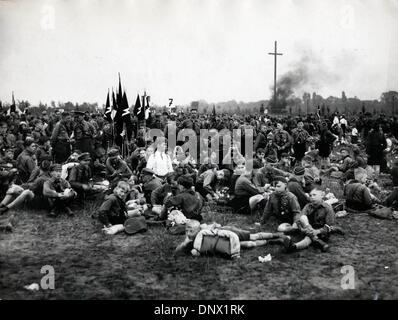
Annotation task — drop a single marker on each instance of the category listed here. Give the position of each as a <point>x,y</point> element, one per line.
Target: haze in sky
<point>216,50</point>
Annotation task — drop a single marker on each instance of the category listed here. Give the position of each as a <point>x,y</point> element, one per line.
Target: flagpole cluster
<point>119,116</point>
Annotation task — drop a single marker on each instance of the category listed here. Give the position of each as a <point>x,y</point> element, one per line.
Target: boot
<point>69,212</point>
<point>289,245</point>
<point>53,213</point>
<point>3,209</point>
<point>336,229</point>
<point>320,244</point>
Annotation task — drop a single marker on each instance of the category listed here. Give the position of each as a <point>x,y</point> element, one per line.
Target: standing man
<point>60,139</point>
<point>83,134</point>
<point>300,137</point>
<point>282,140</point>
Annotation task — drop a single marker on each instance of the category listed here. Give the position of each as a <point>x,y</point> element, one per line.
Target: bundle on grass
<point>222,242</point>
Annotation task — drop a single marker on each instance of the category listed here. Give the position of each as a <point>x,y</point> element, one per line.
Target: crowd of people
<point>56,160</point>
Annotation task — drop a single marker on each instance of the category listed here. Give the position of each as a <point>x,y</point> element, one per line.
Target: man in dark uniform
<point>60,139</point>
<point>83,134</point>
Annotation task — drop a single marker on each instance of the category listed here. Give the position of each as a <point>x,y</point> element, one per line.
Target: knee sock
<point>305,243</point>
<point>262,236</point>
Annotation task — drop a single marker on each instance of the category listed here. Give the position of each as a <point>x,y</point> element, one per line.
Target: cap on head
<point>56,167</point>
<point>185,181</point>
<point>299,171</point>
<point>272,159</point>
<point>85,156</point>
<point>147,171</point>
<point>280,179</point>
<point>113,152</point>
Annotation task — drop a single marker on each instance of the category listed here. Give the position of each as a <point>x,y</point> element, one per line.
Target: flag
<point>13,107</point>
<point>119,94</point>
<point>114,106</point>
<point>108,110</point>
<point>147,111</point>
<point>214,110</point>
<point>1,106</point>
<point>126,117</point>
<point>143,104</point>
<point>138,109</point>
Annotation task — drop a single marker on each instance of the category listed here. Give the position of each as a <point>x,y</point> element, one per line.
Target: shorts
<point>243,235</point>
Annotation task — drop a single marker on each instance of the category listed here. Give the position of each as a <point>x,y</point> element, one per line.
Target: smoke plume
<point>309,74</point>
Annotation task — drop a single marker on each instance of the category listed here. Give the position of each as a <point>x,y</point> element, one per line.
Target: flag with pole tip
<point>138,109</point>
<point>147,109</point>
<point>126,117</point>
<point>13,107</point>
<point>108,110</point>
<point>114,106</point>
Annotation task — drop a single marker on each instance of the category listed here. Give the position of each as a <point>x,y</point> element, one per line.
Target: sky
<point>216,50</point>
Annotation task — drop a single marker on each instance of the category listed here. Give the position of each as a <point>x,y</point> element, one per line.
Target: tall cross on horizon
<point>275,54</point>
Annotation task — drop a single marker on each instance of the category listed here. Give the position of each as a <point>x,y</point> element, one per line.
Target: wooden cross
<point>275,54</point>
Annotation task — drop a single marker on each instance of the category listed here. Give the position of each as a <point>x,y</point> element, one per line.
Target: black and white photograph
<point>198,150</point>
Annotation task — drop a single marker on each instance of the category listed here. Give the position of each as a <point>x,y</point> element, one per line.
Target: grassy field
<point>90,265</point>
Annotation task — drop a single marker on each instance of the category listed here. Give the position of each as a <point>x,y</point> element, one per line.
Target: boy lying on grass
<point>315,223</point>
<point>246,239</point>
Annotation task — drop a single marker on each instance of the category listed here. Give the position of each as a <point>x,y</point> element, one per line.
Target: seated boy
<point>58,192</point>
<point>315,223</point>
<point>17,195</point>
<point>247,239</point>
<point>188,200</point>
<point>283,205</point>
<point>358,196</point>
<point>311,170</point>
<point>113,210</point>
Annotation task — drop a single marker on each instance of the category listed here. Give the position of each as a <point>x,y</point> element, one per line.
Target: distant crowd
<point>58,160</point>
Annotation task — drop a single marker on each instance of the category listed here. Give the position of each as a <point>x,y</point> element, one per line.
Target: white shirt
<point>343,121</point>
<point>160,163</point>
<point>354,132</point>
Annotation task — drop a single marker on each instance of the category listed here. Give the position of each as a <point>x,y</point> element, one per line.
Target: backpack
<point>217,241</point>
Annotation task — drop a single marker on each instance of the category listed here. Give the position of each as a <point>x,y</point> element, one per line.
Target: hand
<point>195,253</point>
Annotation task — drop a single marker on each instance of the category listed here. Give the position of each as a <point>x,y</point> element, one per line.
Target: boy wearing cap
<point>80,176</point>
<point>149,183</point>
<point>270,148</point>
<point>26,161</point>
<point>271,171</point>
<point>296,186</point>
<point>58,192</point>
<point>116,168</point>
<point>282,140</point>
<point>188,200</point>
